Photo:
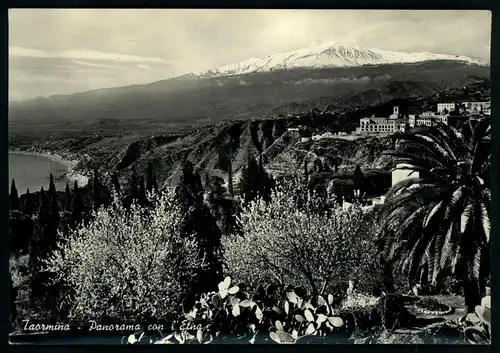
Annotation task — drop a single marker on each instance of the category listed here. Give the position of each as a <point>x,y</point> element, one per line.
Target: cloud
<point>179,41</point>
<point>85,63</point>
<point>83,54</point>
<point>328,81</point>
<point>143,66</point>
<point>19,51</point>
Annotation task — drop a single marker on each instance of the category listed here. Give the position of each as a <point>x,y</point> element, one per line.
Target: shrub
<point>451,285</point>
<point>290,240</point>
<point>370,262</point>
<point>431,304</point>
<point>287,318</point>
<point>126,264</point>
<point>19,269</point>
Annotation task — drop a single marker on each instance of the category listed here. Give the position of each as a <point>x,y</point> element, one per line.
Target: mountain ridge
<point>199,102</point>
<point>329,54</point>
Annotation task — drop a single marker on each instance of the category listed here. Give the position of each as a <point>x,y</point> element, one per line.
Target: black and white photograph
<point>249,176</point>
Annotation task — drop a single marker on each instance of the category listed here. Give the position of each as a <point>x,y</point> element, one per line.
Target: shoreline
<point>70,175</point>
<point>67,163</point>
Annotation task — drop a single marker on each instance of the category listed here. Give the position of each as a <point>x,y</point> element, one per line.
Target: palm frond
<point>485,220</point>
<point>465,217</point>
<point>446,248</point>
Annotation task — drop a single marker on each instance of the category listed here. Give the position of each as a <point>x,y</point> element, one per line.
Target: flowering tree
<point>126,264</point>
<point>292,240</point>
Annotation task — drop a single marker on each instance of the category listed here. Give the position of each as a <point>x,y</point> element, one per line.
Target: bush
<point>431,304</point>
<point>286,316</point>
<point>290,240</point>
<point>126,264</point>
<point>451,285</point>
<point>19,269</point>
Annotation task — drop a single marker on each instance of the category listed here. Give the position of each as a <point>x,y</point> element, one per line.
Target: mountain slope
<point>330,55</point>
<point>184,104</point>
<point>212,148</point>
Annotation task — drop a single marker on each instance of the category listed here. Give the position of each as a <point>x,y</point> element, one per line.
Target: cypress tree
<point>53,225</point>
<point>43,208</point>
<point>77,205</point>
<point>199,223</point>
<point>359,180</point>
<point>155,183</point>
<point>15,203</point>
<point>190,189</point>
<point>339,194</point>
<point>96,190</point>
<point>37,247</point>
<point>143,200</point>
<point>265,183</point>
<point>250,180</point>
<point>230,178</point>
<point>67,204</point>
<point>261,174</point>
<point>150,178</point>
<point>54,206</point>
<point>52,187</point>
<point>221,208</point>
<point>116,182</point>
<point>29,204</point>
<point>134,189</point>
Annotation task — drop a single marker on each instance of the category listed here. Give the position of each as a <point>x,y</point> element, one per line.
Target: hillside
<point>283,154</point>
<point>210,147</point>
<point>182,104</point>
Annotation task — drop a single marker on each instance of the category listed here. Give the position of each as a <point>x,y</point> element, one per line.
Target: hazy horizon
<point>55,51</point>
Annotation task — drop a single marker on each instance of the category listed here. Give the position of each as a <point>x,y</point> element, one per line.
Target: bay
<point>31,170</point>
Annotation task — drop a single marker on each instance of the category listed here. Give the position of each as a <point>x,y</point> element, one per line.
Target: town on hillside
<point>449,113</point>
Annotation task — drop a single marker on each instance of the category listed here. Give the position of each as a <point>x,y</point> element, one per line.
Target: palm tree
<point>440,220</point>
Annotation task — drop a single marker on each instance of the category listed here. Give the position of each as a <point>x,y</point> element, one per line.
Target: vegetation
<point>280,258</point>
<point>126,264</point>
<point>441,219</point>
<point>286,241</point>
<point>431,304</point>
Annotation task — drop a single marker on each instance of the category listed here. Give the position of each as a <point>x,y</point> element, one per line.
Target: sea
<point>33,171</point>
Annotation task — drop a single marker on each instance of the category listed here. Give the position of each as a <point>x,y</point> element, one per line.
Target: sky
<point>63,51</point>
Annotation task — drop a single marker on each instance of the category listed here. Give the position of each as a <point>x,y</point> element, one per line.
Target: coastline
<point>70,164</point>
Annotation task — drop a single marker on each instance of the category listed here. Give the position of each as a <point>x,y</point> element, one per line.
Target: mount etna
<point>328,77</point>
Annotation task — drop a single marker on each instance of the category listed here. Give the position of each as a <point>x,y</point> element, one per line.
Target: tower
<point>396,110</point>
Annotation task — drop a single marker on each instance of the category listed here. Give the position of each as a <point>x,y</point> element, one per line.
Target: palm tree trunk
<point>472,295</point>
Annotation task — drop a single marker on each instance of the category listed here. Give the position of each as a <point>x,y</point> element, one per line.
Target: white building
<point>326,135</point>
<point>479,106</point>
<point>427,119</point>
<point>375,125</point>
<point>448,107</point>
<point>400,174</point>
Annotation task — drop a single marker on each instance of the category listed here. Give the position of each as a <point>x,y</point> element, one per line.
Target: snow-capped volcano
<point>328,55</point>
